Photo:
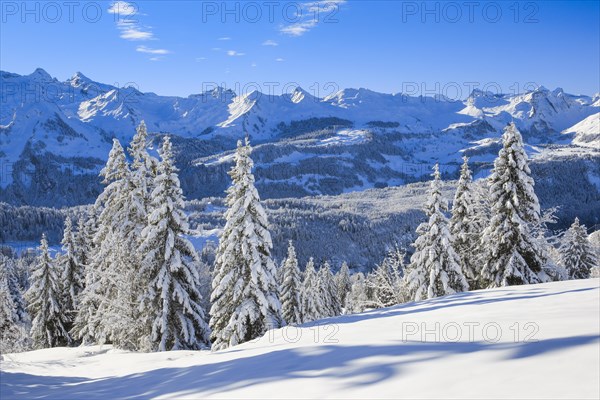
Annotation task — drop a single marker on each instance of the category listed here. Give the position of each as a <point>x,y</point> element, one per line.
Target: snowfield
<point>536,341</point>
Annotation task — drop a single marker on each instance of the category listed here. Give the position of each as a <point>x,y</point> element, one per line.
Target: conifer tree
<point>357,299</point>
<point>290,288</point>
<point>465,227</point>
<point>111,307</point>
<point>83,239</point>
<point>72,272</point>
<point>13,316</point>
<point>43,297</point>
<point>311,296</point>
<point>435,267</point>
<point>86,321</point>
<point>386,280</point>
<point>343,282</point>
<point>172,304</point>
<point>328,290</point>
<point>8,268</point>
<point>513,254</point>
<point>577,255</point>
<point>244,296</point>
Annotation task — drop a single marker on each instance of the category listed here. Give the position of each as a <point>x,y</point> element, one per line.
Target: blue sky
<point>183,47</point>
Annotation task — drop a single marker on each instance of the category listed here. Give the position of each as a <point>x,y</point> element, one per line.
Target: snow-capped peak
<point>219,92</point>
<point>78,79</point>
<point>40,75</point>
<point>299,95</point>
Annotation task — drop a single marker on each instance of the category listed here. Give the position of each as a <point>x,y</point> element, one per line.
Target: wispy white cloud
<point>311,14</point>
<point>270,43</point>
<point>199,59</point>
<point>148,50</point>
<point>131,30</point>
<point>299,28</point>
<point>279,59</point>
<point>224,38</point>
<point>127,22</point>
<point>233,53</point>
<point>253,65</point>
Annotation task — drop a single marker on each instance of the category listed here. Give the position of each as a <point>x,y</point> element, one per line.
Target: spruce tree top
<point>436,202</point>
<point>512,179</point>
<point>116,166</point>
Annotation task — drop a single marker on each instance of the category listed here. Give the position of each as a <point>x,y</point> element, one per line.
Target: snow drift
<point>535,341</point>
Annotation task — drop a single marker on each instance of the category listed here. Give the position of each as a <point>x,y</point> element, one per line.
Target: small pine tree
<point>328,289</point>
<point>577,255</point>
<point>43,297</point>
<point>172,304</point>
<point>72,272</point>
<point>357,300</point>
<point>8,268</point>
<point>385,283</point>
<point>244,296</point>
<point>13,318</point>
<point>435,267</point>
<point>343,282</point>
<point>86,324</point>
<point>465,227</point>
<point>311,296</point>
<point>9,326</point>
<point>513,254</point>
<point>290,288</point>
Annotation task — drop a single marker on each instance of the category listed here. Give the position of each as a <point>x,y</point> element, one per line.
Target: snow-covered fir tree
<point>244,296</point>
<point>115,316</point>
<point>204,283</point>
<point>328,290</point>
<point>13,316</point>
<point>513,253</point>
<point>577,255</point>
<point>86,321</point>
<point>9,325</point>
<point>290,288</point>
<point>8,267</point>
<point>83,239</point>
<point>311,297</point>
<point>44,297</point>
<point>434,267</point>
<point>171,306</point>
<point>72,272</point>
<point>465,227</point>
<point>144,166</point>
<point>548,242</point>
<point>343,282</point>
<point>385,282</point>
<point>141,186</point>
<point>357,300</point>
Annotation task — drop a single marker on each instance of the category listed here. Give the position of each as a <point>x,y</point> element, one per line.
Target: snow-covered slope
<point>587,132</point>
<point>538,341</point>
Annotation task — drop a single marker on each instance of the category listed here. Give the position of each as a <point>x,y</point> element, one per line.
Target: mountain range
<point>55,136</point>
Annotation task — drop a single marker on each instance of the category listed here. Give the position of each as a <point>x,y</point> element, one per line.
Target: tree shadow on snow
<point>446,302</point>
<point>341,363</point>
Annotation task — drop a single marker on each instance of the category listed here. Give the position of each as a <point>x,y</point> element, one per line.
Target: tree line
<point>128,276</point>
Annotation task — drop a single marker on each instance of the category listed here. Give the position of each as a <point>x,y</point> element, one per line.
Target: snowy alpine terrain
<point>55,136</point>
<point>491,343</point>
<point>310,199</point>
